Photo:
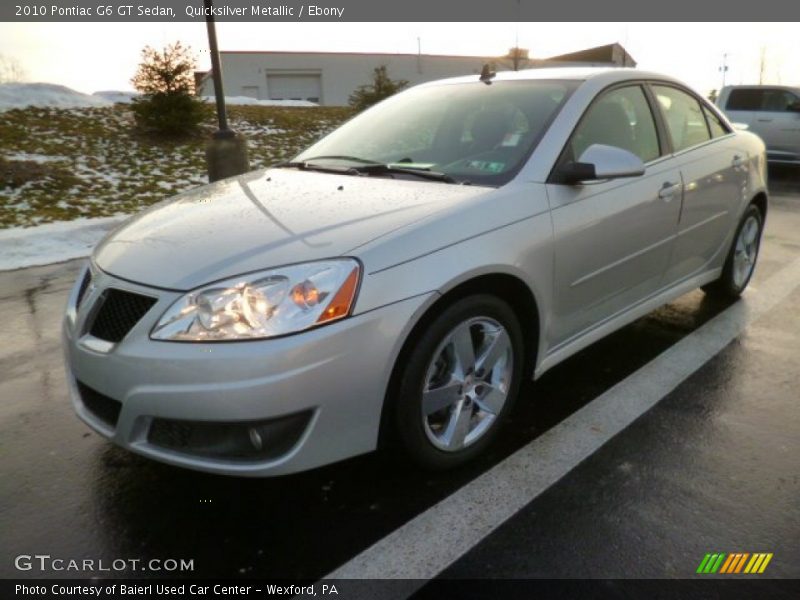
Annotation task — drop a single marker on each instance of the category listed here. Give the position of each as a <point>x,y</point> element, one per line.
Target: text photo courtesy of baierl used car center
<point>399,300</point>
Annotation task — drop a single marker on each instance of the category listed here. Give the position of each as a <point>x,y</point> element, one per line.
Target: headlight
<point>263,305</point>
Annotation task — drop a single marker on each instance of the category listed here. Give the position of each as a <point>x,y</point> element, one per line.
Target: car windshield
<point>464,132</point>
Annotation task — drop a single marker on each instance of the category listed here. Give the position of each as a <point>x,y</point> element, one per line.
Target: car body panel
<point>598,271</point>
<point>263,219</point>
<point>714,178</point>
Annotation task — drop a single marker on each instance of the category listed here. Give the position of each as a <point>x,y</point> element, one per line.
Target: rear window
<point>765,99</point>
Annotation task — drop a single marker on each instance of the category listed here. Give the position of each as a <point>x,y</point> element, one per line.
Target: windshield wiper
<point>394,168</point>
<point>368,167</point>
<point>307,161</point>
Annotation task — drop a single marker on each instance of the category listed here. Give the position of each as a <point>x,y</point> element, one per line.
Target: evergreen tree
<point>165,79</point>
<point>381,87</point>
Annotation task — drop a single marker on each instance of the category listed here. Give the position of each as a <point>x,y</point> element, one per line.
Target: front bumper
<point>335,375</point>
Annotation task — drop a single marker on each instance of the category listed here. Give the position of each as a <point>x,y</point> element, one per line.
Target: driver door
<point>613,238</point>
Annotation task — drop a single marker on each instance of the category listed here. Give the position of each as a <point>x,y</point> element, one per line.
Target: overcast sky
<point>103,56</point>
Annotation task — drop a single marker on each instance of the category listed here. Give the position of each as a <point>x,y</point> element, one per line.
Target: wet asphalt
<point>714,467</point>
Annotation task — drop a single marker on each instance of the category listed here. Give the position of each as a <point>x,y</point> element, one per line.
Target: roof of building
<point>610,53</point>
<point>323,53</point>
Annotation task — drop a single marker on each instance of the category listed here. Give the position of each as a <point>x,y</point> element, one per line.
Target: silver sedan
<point>394,283</point>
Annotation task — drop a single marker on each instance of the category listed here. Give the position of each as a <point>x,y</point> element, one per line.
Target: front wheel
<point>460,381</point>
<point>741,261</point>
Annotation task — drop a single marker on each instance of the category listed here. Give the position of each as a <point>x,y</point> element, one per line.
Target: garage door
<point>294,87</point>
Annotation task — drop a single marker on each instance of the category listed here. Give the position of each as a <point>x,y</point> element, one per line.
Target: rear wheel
<point>459,383</point>
<point>742,257</point>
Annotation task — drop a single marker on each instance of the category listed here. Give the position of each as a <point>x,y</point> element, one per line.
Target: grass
<point>62,164</point>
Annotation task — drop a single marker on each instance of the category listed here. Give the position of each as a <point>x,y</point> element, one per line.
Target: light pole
<point>226,152</point>
<point>724,68</point>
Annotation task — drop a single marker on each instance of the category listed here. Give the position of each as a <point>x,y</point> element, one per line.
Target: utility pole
<point>724,68</point>
<point>226,152</point>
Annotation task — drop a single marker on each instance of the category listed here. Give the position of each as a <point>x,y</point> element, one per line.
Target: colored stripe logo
<point>734,563</point>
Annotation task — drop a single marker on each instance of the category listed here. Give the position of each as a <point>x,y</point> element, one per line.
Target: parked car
<point>770,111</point>
<point>396,281</point>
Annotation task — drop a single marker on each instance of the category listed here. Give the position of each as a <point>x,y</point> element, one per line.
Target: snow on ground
<point>248,101</point>
<point>116,96</point>
<point>37,158</point>
<point>21,95</point>
<point>63,164</point>
<point>55,242</point>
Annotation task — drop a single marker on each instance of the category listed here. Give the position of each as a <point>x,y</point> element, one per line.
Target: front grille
<point>87,279</point>
<point>101,406</point>
<point>120,311</point>
<point>243,440</point>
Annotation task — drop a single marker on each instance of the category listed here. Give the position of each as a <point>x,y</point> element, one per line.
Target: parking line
<point>429,543</point>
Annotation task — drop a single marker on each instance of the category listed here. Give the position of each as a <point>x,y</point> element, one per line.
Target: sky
<point>103,56</point>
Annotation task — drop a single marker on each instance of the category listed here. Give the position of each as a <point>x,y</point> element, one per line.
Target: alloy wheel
<point>467,383</point>
<point>746,251</point>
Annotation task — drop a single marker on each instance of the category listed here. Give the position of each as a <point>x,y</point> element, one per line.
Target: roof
<point>604,75</point>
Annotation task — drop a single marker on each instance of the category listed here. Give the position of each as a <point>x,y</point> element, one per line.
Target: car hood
<point>265,219</point>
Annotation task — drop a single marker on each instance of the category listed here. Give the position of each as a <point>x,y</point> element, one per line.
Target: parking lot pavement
<point>713,467</point>
<point>708,470</point>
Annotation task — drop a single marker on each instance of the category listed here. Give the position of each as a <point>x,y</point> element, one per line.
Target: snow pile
<point>248,101</point>
<point>55,242</point>
<point>116,96</point>
<point>21,95</point>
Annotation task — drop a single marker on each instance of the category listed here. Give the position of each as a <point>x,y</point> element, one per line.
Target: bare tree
<point>762,65</point>
<point>11,70</point>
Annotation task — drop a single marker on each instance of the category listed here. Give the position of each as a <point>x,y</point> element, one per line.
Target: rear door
<point>778,123</point>
<point>613,238</point>
<point>713,171</point>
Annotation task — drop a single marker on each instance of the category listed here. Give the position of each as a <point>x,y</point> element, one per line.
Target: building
<point>328,78</point>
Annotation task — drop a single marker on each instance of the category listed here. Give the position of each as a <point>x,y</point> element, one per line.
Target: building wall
<point>247,73</point>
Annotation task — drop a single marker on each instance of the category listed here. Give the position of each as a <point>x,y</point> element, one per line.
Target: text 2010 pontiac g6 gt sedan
<point>396,281</point>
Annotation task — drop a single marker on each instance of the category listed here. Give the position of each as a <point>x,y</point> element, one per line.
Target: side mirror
<point>599,161</point>
<point>794,106</point>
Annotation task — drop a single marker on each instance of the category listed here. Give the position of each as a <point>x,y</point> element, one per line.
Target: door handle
<point>737,161</point>
<point>667,190</point>
<point>764,120</point>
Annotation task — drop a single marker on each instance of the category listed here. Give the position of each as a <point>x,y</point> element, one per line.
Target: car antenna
<point>487,74</point>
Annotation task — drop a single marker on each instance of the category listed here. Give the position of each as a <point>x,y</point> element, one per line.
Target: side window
<point>714,124</point>
<point>684,117</point>
<point>620,118</point>
<point>777,100</point>
<point>744,99</point>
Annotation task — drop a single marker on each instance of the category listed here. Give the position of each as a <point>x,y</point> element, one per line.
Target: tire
<point>742,257</point>
<point>447,411</point>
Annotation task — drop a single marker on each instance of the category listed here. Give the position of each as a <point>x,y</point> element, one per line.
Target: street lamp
<point>226,152</point>
<point>724,68</point>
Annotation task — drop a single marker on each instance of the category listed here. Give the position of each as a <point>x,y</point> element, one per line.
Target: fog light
<point>233,440</point>
<point>255,438</point>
